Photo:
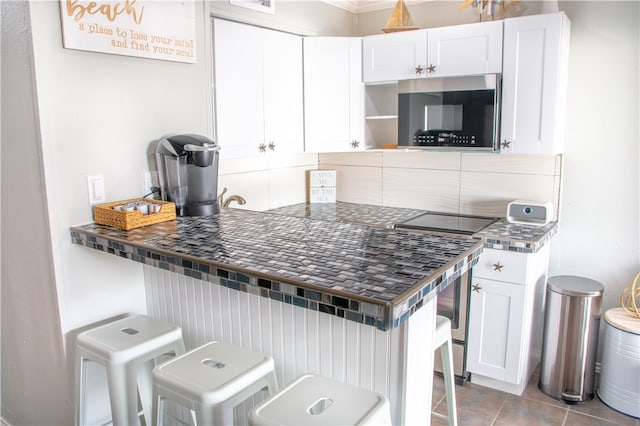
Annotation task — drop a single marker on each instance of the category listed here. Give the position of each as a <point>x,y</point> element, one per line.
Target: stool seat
<point>316,400</point>
<point>442,340</point>
<point>122,347</point>
<point>210,380</point>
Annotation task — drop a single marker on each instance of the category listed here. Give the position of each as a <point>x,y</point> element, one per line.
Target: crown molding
<point>362,6</point>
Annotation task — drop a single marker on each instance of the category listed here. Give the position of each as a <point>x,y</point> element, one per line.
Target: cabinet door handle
<point>476,288</point>
<point>431,69</point>
<point>498,267</point>
<point>506,144</point>
<point>419,70</point>
<point>355,144</point>
<point>272,146</point>
<point>262,148</point>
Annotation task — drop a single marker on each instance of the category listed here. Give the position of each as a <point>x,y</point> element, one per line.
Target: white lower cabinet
<point>496,318</point>
<point>505,318</point>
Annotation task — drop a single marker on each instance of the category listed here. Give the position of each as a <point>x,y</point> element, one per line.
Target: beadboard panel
<point>421,160</point>
<point>489,193</point>
<point>299,340</point>
<point>421,189</point>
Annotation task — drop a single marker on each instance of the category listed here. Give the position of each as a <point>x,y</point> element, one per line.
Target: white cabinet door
<point>283,88</point>
<point>470,49</point>
<point>394,56</point>
<point>333,94</point>
<point>534,79</point>
<point>258,90</point>
<point>238,80</point>
<point>495,329</point>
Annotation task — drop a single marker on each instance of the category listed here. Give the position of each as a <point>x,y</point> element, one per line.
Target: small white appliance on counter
<point>529,212</point>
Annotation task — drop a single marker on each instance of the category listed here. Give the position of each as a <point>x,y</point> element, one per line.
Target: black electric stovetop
<point>447,222</point>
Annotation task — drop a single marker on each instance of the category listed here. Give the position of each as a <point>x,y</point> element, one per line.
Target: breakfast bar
<point>348,301</point>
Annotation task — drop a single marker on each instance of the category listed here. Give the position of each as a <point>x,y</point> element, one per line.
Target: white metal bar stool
<point>316,400</point>
<point>210,380</point>
<point>442,340</point>
<point>125,347</point>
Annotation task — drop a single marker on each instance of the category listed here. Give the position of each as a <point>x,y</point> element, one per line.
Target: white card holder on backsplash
<point>321,186</point>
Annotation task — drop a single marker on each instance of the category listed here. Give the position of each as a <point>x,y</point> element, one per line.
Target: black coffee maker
<point>188,173</point>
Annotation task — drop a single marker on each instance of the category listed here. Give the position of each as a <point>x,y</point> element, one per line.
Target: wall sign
<point>154,29</point>
<point>321,186</point>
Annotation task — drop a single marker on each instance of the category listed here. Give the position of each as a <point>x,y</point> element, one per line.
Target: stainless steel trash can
<point>570,338</point>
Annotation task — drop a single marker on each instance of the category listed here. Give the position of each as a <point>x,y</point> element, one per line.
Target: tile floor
<point>478,405</point>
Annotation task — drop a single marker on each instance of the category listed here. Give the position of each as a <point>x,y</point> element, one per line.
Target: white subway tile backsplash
<point>489,193</point>
<point>253,187</point>
<point>520,164</point>
<point>421,189</point>
<point>358,158</point>
<point>471,183</point>
<point>358,184</point>
<point>421,159</point>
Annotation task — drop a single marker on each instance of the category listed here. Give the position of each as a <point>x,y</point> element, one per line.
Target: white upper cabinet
<point>534,83</point>
<point>334,94</point>
<point>258,90</point>
<point>394,56</point>
<point>283,92</point>
<point>470,49</point>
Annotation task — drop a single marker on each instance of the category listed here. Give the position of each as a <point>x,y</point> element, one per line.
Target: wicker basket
<point>104,214</point>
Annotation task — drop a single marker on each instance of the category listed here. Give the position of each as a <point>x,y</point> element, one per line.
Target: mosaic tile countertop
<point>364,214</point>
<point>501,235</point>
<point>367,274</point>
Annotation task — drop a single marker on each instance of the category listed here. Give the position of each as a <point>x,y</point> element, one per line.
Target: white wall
<point>600,234</point>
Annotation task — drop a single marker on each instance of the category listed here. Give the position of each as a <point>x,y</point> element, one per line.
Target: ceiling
<point>360,6</point>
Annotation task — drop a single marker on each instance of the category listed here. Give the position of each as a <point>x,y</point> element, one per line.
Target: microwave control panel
<point>443,139</point>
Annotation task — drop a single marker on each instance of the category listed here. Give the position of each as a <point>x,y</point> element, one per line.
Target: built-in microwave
<point>449,113</point>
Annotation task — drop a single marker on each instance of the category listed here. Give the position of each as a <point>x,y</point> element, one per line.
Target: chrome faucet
<point>231,198</point>
<point>237,198</point>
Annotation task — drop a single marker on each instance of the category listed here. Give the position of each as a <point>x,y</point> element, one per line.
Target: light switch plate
<point>95,186</point>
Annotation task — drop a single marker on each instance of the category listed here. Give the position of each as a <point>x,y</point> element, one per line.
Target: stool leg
<point>123,392</point>
<point>449,381</point>
<point>217,415</point>
<point>145,380</point>
<point>272,383</point>
<point>157,413</point>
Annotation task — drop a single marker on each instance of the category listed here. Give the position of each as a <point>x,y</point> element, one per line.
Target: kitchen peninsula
<point>347,301</point>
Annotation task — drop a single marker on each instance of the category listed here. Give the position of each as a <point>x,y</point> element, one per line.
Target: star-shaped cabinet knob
<point>476,288</point>
<point>431,69</point>
<point>419,69</point>
<point>355,144</point>
<point>506,144</point>
<point>498,267</point>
